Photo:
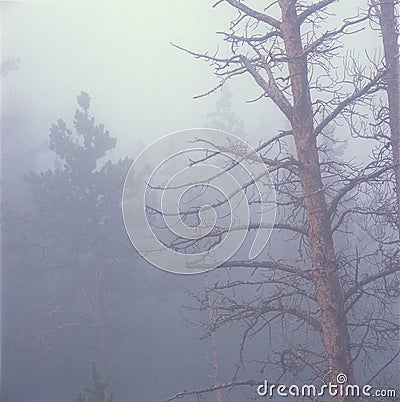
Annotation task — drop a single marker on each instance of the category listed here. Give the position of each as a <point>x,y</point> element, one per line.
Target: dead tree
<point>390,113</point>
<point>323,202</point>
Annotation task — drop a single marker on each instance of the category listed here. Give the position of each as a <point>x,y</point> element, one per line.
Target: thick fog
<point>147,338</point>
<point>141,88</point>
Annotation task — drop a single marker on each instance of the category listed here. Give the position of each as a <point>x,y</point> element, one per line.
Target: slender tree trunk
<point>100,326</point>
<point>326,278</point>
<point>214,352</point>
<point>390,36</point>
<point>288,341</point>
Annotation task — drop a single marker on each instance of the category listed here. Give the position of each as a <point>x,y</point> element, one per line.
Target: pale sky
<point>119,52</point>
<point>141,87</point>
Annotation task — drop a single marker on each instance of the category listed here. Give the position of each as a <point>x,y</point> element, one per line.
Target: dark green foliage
<point>224,118</point>
<point>53,253</point>
<point>78,204</point>
<point>95,390</point>
<point>9,64</point>
<point>82,149</point>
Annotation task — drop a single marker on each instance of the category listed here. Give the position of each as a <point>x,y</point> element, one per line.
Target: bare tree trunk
<point>214,352</point>
<point>326,278</point>
<point>99,319</point>
<point>257,49</point>
<point>101,331</point>
<point>288,341</point>
<point>390,36</point>
<point>94,300</point>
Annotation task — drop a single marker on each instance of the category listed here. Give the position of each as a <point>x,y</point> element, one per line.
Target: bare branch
<point>372,278</point>
<point>357,94</point>
<point>255,14</point>
<point>362,178</point>
<point>270,265</point>
<point>270,88</point>
<point>181,394</point>
<point>314,8</point>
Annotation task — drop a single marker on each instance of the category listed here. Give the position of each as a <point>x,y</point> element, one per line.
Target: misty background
<point>141,88</point>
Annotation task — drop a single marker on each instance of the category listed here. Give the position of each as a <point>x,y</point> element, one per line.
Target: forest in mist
<point>312,86</point>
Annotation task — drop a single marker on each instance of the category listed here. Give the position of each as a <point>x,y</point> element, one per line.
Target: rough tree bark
<point>285,55</point>
<point>328,290</point>
<point>390,36</point>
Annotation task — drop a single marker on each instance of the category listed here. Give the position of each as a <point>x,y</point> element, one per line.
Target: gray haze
<point>141,88</point>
